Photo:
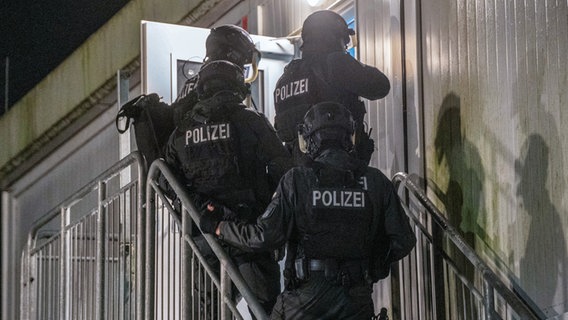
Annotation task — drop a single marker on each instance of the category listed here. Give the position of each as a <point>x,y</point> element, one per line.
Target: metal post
<point>63,263</point>
<point>141,244</point>
<point>140,240</point>
<point>186,283</point>
<point>488,298</point>
<point>123,88</point>
<point>100,255</point>
<point>438,271</point>
<point>150,252</point>
<point>226,288</point>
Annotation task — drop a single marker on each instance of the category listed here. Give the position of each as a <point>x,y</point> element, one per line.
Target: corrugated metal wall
<point>495,109</point>
<point>380,45</point>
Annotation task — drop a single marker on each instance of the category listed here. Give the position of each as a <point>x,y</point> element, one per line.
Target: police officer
<point>343,217</point>
<point>226,42</point>
<point>326,72</point>
<point>153,127</point>
<point>229,156</point>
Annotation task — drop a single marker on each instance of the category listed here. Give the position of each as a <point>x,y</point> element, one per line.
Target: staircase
<point>443,277</point>
<point>120,249</point>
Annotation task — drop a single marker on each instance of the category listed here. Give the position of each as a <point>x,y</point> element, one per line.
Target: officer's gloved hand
<point>227,214</point>
<point>210,218</point>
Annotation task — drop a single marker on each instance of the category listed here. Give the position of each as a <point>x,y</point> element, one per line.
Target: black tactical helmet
<point>326,122</point>
<point>221,75</point>
<point>325,28</point>
<point>232,43</point>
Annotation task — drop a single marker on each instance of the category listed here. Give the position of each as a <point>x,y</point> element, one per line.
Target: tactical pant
<point>263,277</point>
<point>319,298</point>
<point>259,270</point>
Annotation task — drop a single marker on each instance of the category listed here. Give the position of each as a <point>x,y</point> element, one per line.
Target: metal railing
<point>100,255</point>
<point>80,258</point>
<point>88,257</point>
<point>444,278</point>
<point>183,279</point>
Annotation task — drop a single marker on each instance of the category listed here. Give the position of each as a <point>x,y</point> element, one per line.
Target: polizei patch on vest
<point>291,89</point>
<point>206,133</point>
<point>338,198</point>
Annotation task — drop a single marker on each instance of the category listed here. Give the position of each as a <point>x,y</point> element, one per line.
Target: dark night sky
<point>37,35</point>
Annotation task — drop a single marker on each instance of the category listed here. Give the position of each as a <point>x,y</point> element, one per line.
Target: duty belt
<point>345,273</point>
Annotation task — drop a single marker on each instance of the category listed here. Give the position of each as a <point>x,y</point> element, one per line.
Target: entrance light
<point>315,3</point>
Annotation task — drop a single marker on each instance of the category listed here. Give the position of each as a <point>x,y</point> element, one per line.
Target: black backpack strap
<point>130,111</point>
<point>133,109</point>
<point>153,123</point>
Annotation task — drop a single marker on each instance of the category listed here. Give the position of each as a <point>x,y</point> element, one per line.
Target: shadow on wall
<point>544,266</point>
<point>463,198</point>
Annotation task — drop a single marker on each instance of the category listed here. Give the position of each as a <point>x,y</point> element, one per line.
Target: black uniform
<point>348,224</point>
<point>186,100</point>
<point>188,88</point>
<point>226,42</point>
<point>326,76</point>
<point>230,154</point>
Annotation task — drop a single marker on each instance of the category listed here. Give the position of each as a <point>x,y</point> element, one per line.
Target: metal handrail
<point>159,167</point>
<point>493,281</point>
<point>134,157</point>
<point>32,247</point>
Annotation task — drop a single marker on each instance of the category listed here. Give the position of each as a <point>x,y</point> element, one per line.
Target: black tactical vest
<point>304,83</point>
<point>339,217</point>
<point>298,88</point>
<point>209,152</point>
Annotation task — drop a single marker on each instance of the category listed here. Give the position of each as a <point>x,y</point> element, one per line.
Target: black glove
<point>226,213</point>
<point>210,220</point>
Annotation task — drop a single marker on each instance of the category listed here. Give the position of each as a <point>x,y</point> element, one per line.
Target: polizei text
<point>210,132</point>
<point>291,89</point>
<point>338,198</point>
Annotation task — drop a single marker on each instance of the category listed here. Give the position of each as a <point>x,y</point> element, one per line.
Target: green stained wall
<point>495,110</point>
<point>71,88</point>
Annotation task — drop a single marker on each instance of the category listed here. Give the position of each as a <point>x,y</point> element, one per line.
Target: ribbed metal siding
<point>495,95</point>
<point>282,17</point>
<point>379,36</point>
<point>275,18</point>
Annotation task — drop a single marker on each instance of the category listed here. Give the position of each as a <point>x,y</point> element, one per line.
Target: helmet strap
<point>254,75</point>
<point>302,143</point>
